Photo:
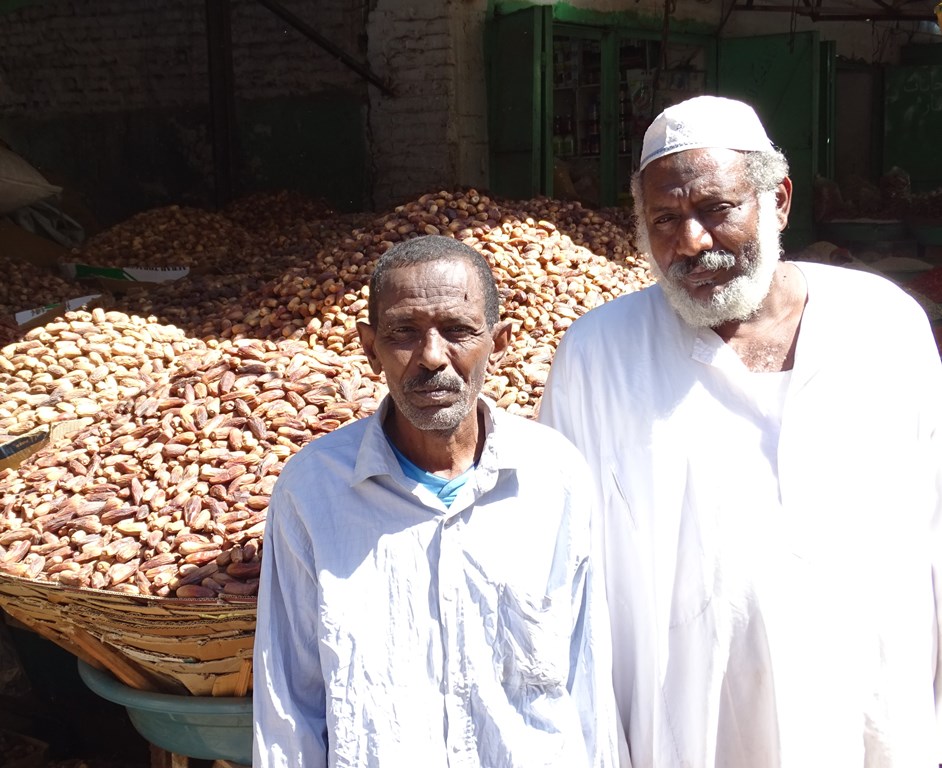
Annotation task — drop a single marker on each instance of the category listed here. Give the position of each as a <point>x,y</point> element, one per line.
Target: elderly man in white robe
<point>765,439</point>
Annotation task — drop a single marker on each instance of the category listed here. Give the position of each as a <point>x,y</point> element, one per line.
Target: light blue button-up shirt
<point>396,631</point>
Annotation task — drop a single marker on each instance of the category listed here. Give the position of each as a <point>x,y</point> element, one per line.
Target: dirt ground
<point>49,718</point>
<point>70,731</point>
<point>53,707</point>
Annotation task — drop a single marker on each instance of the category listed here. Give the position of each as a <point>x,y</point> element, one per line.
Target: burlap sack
<point>20,183</point>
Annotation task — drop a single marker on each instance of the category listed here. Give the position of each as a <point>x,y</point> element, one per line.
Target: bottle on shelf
<point>557,136</point>
<point>591,63</point>
<point>591,129</point>
<point>569,139</point>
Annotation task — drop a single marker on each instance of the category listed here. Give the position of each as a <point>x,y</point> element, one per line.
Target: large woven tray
<point>171,645</point>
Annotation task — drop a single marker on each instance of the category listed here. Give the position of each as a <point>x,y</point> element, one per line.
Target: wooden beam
<point>312,34</point>
<point>819,14</point>
<point>221,99</point>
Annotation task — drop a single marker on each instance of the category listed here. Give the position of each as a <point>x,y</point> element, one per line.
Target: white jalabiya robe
<point>773,572</point>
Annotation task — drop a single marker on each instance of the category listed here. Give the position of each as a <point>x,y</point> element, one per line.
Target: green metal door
<point>518,117</point>
<point>912,137</point>
<point>779,75</point>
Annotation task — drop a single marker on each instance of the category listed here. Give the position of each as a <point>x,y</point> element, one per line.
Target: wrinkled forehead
<point>437,283</point>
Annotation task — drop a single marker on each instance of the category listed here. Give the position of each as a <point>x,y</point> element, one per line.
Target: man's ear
<point>368,342</point>
<point>783,202</point>
<point>501,335</point>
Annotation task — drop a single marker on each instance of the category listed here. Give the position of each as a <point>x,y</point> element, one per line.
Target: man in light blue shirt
<point>430,593</point>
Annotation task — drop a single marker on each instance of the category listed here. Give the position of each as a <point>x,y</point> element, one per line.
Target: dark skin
<point>701,200</point>
<point>432,321</point>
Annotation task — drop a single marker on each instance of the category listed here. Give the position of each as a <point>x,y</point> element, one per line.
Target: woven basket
<point>168,645</point>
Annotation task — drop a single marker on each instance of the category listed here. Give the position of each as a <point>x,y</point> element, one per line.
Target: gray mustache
<point>706,260</point>
<point>439,380</point>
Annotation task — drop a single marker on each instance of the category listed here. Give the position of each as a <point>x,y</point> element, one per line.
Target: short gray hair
<point>427,248</point>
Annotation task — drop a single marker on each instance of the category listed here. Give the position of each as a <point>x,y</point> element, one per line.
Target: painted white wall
<point>433,133</point>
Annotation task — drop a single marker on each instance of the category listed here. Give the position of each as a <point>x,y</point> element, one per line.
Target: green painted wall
<point>633,19</point>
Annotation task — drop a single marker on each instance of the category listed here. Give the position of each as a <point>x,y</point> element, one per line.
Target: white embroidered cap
<point>704,122</point>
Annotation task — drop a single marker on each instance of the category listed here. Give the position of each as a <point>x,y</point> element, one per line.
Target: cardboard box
<point>120,279</point>
<point>33,318</point>
<point>20,245</point>
<point>15,452</point>
<point>198,646</point>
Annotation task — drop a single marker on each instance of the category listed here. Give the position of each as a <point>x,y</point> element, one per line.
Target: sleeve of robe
<point>933,384</point>
<point>567,408</point>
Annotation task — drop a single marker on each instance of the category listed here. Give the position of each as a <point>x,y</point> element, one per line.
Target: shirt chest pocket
<point>532,638</point>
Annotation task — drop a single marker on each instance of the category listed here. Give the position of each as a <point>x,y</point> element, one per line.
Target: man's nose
<point>693,238</point>
<point>432,352</point>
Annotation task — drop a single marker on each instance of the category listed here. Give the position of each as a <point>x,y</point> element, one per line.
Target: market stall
<point>131,525</point>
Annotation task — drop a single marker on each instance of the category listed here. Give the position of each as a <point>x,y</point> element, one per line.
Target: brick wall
<point>65,58</point>
<point>111,98</point>
<point>272,58</point>
<point>93,56</point>
<point>432,134</point>
<point>471,96</point>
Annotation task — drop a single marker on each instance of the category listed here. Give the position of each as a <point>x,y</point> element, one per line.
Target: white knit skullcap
<point>704,122</point>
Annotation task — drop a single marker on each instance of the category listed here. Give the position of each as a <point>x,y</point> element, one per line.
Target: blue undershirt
<point>444,489</point>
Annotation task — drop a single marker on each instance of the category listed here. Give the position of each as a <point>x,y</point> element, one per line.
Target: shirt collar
<point>376,457</point>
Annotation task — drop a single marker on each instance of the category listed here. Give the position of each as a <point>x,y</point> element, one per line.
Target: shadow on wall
<point>124,162</point>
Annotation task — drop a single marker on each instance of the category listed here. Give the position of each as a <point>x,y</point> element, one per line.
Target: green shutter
<point>779,76</point>
<point>517,114</point>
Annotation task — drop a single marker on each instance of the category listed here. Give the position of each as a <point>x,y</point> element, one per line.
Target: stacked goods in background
<point>27,283</point>
<point>890,197</point>
<point>135,541</point>
<point>889,227</point>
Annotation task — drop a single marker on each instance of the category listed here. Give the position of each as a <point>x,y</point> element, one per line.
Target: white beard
<point>742,296</point>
